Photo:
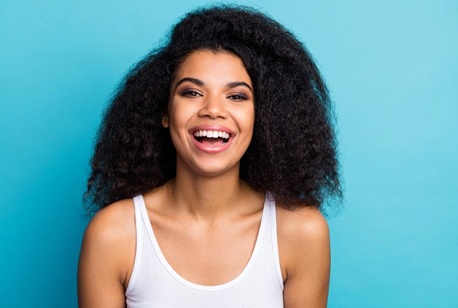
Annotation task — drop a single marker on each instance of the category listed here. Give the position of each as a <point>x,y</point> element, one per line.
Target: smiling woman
<point>212,164</point>
<point>211,112</point>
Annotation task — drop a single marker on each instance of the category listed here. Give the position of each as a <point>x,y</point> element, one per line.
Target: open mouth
<point>211,137</point>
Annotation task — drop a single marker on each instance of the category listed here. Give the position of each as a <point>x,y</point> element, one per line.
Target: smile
<point>211,136</point>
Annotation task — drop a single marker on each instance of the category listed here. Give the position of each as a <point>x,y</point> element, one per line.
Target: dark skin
<point>211,214</point>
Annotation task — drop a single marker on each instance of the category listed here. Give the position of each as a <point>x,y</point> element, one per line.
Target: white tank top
<point>154,283</point>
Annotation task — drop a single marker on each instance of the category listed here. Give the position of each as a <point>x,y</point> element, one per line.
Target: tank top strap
<point>271,209</point>
<point>139,209</point>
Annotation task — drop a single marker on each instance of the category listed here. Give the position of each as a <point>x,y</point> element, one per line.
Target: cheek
<point>246,118</point>
<point>179,116</point>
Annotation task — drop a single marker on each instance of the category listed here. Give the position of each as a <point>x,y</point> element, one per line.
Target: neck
<point>207,197</point>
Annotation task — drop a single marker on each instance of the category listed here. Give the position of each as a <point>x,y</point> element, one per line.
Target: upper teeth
<point>211,134</point>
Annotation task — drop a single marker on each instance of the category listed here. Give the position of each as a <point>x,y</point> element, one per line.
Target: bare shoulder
<point>107,256</point>
<point>111,232</point>
<point>113,222</point>
<point>304,248</point>
<point>302,226</point>
<point>301,232</point>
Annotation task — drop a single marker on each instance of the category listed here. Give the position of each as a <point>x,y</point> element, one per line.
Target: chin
<point>215,170</point>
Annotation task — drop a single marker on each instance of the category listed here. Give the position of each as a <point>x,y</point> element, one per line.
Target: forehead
<point>212,64</point>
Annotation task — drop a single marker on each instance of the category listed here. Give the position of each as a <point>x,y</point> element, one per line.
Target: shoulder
<point>109,238</point>
<point>112,222</point>
<point>304,225</point>
<point>304,249</point>
<point>303,240</point>
<point>107,256</point>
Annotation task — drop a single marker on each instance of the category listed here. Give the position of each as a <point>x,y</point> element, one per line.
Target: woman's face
<point>211,112</point>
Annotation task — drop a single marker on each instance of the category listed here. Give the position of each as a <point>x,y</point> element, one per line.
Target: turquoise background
<point>391,66</point>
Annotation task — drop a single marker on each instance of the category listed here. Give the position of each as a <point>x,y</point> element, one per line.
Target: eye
<point>238,97</point>
<point>190,93</point>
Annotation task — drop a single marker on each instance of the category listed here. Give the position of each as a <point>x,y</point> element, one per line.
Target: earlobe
<point>165,121</point>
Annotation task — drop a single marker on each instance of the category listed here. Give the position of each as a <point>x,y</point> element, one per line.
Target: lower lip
<point>211,149</point>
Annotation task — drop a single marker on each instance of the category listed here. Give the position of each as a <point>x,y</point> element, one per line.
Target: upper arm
<point>305,257</point>
<point>106,253</point>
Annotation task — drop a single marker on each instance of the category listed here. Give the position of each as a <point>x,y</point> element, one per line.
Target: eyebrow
<point>193,80</point>
<point>235,84</point>
<point>199,82</point>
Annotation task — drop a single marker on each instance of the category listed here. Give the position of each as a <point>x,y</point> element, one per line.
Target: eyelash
<point>194,93</point>
<point>238,97</point>
<point>190,93</point>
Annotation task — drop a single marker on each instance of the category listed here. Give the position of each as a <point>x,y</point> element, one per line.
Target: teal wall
<point>391,66</point>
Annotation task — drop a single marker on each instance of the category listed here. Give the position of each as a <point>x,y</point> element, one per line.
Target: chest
<point>207,254</point>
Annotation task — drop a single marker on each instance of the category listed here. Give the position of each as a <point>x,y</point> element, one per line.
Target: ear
<point>165,121</point>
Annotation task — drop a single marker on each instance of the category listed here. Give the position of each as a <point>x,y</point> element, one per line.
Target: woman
<point>212,164</point>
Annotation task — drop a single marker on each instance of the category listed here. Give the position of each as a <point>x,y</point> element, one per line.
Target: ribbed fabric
<point>154,283</point>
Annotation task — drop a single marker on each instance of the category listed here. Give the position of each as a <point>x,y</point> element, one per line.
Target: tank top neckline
<point>259,239</point>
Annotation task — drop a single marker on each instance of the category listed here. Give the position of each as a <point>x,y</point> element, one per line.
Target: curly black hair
<point>293,150</point>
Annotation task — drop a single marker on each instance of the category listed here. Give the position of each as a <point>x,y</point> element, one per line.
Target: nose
<point>213,107</point>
